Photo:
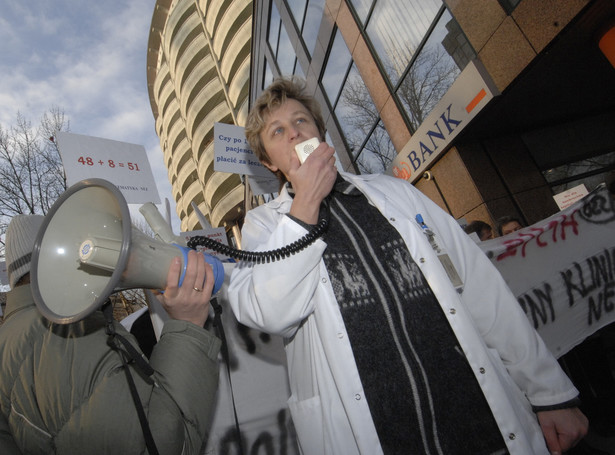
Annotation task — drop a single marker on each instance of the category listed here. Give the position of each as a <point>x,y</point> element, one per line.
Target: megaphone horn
<point>87,249</point>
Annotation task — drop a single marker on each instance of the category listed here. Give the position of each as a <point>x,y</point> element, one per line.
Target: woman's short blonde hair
<point>280,90</point>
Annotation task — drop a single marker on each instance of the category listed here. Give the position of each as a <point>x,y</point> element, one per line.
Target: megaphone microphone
<point>87,249</point>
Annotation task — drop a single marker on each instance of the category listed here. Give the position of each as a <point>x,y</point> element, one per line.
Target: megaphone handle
<point>214,262</point>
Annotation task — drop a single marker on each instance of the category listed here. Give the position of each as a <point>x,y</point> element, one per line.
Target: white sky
<point>87,58</point>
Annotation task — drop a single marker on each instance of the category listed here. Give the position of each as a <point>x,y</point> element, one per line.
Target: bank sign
<point>469,94</point>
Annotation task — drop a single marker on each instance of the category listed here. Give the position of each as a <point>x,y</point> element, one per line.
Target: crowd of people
<point>483,230</point>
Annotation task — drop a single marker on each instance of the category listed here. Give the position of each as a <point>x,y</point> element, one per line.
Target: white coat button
<point>357,396</point>
<point>512,436</point>
<point>482,370</point>
<point>392,219</point>
<point>324,280</point>
<point>452,311</point>
<point>422,260</point>
<point>340,335</point>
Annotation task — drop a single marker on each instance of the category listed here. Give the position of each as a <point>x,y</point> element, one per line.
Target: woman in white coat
<point>401,337</point>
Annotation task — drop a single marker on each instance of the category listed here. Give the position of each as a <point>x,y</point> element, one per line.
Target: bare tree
<point>31,172</point>
<point>427,80</point>
<point>360,117</point>
<point>32,178</point>
<point>378,151</point>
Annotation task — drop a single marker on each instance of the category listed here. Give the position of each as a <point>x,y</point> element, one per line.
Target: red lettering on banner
<point>558,228</point>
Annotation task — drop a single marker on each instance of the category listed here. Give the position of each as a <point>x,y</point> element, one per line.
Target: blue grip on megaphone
<point>213,261</point>
<point>218,269</point>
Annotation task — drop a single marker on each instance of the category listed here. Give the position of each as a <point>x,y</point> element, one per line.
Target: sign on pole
<point>121,163</point>
<point>234,155</point>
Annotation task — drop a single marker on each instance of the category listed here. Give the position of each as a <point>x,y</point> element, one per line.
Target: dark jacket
<point>64,391</point>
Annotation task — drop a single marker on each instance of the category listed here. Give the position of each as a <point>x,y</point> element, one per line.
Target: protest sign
<point>121,163</point>
<point>562,270</point>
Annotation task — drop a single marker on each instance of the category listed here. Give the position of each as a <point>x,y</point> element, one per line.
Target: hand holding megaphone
<point>189,300</point>
<point>87,249</point>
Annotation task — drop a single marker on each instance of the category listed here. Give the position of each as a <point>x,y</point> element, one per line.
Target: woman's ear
<point>271,167</point>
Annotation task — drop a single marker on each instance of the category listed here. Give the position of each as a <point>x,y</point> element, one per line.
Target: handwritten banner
<point>562,270</point>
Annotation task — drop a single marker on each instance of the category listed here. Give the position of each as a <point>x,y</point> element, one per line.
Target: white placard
<point>218,234</point>
<point>121,163</point>
<point>263,185</point>
<point>566,198</point>
<point>233,154</point>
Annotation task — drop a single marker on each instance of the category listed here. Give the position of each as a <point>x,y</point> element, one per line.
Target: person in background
<point>508,224</point>
<point>401,337</point>
<point>63,389</point>
<point>482,229</point>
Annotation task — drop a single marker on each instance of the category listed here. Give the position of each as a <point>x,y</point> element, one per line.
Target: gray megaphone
<point>87,249</point>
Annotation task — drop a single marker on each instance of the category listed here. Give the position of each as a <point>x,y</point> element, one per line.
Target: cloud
<point>87,58</point>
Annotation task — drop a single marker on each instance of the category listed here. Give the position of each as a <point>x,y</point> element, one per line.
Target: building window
<point>355,112</point>
<point>285,56</point>
<point>274,28</point>
<point>378,152</point>
<point>509,5</point>
<point>368,142</point>
<point>434,69</point>
<point>297,8</point>
<point>307,16</point>
<point>338,64</point>
<point>280,44</point>
<point>313,17</point>
<point>362,9</point>
<point>396,29</point>
<point>298,70</point>
<point>589,172</point>
<point>268,76</point>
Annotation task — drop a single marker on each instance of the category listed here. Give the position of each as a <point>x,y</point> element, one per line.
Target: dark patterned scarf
<point>422,394</point>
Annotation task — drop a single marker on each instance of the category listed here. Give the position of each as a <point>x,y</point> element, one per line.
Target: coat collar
<point>18,299</point>
<point>284,200</point>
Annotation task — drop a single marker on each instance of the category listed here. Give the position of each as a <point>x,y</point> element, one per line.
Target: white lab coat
<point>294,298</point>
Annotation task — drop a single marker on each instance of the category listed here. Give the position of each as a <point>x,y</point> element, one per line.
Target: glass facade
<point>337,68</point>
<point>280,43</point>
<point>418,48</point>
<point>509,5</point>
<point>443,55</point>
<point>307,17</point>
<point>589,172</point>
<point>355,111</point>
<point>396,30</point>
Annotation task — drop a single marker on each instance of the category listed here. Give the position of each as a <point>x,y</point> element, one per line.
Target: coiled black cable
<point>260,257</point>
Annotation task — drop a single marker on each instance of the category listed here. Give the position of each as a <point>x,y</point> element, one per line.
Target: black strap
<point>141,363</point>
<point>225,355</point>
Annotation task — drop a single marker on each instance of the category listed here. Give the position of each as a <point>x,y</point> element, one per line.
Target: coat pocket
<point>307,419</point>
<point>30,437</point>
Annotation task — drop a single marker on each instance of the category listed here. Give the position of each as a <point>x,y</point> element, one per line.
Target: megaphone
<point>87,249</point>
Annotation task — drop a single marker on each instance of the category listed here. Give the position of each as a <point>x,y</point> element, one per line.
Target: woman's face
<point>288,125</point>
